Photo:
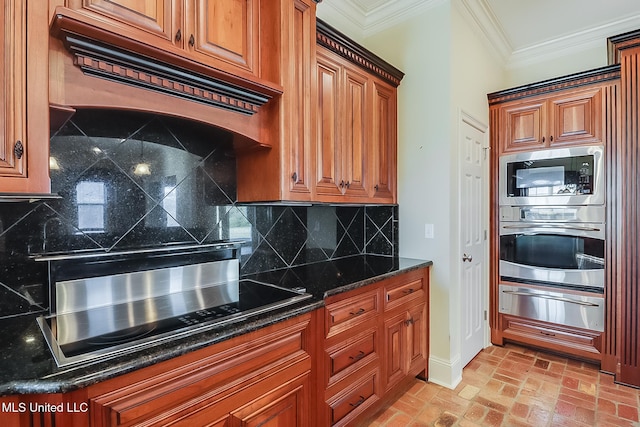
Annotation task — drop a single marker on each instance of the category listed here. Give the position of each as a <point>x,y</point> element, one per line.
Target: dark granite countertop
<point>27,367</point>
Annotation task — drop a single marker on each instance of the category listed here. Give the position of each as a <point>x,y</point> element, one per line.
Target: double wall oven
<point>552,236</point>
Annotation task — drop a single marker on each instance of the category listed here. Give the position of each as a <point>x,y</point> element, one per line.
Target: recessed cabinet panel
<point>154,16</point>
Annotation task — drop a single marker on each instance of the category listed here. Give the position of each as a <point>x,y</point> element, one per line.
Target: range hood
<point>134,75</point>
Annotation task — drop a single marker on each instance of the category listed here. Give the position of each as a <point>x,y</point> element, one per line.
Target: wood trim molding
<point>598,75</point>
<point>616,44</point>
<point>111,61</point>
<point>337,42</point>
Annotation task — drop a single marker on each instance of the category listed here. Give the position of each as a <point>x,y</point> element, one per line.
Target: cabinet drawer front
<point>355,401</point>
<point>343,314</point>
<point>398,294</point>
<point>352,353</point>
<point>578,342</point>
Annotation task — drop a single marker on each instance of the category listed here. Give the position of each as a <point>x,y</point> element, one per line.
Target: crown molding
<point>482,17</point>
<point>369,22</point>
<point>571,43</point>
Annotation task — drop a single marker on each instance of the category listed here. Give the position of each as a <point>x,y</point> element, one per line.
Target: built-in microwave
<point>563,176</point>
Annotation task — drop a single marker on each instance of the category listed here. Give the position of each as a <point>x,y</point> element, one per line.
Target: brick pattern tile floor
<point>515,386</point>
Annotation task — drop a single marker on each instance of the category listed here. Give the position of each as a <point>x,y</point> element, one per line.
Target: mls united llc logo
<point>44,407</point>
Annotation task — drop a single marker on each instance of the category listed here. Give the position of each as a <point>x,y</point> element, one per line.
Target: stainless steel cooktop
<point>107,315</point>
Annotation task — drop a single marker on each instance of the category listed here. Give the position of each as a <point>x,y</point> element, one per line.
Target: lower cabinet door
<point>282,407</point>
<point>395,341</point>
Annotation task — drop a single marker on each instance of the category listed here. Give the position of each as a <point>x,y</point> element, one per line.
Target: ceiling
<point>518,29</point>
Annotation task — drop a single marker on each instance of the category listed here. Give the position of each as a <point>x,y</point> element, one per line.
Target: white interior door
<point>472,234</point>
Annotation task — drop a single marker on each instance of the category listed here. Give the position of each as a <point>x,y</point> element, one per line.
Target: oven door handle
<point>551,297</point>
<point>557,227</point>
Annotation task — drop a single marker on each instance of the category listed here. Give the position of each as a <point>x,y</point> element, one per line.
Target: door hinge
<point>485,315</point>
<point>485,234</point>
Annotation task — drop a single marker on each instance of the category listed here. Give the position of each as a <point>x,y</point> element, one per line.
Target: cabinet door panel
<point>418,337</point>
<point>384,141</point>
<point>395,351</point>
<point>577,118</point>
<point>328,137</point>
<point>523,127</point>
<point>228,30</point>
<point>154,16</point>
<point>355,151</point>
<point>299,109</point>
<point>12,89</point>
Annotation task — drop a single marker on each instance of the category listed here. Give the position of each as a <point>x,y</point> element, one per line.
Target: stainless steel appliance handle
<point>533,294</point>
<point>551,226</point>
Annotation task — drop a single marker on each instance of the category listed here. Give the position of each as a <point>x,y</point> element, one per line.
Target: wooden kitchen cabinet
<point>223,34</point>
<point>24,123</point>
<point>344,129</point>
<point>376,340</point>
<point>573,117</point>
<point>356,138</point>
<point>579,109</point>
<point>244,381</point>
<point>384,142</point>
<point>338,136</point>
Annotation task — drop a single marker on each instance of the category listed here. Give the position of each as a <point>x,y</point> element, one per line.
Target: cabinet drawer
<point>359,397</point>
<point>352,352</point>
<point>398,292</point>
<point>342,315</point>
<point>578,342</point>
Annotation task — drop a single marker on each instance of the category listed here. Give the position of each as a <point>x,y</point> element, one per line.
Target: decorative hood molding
<point>117,59</point>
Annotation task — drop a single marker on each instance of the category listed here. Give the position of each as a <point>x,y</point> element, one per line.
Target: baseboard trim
<point>447,373</point>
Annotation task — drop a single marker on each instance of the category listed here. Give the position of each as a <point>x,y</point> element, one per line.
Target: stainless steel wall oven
<point>562,246</point>
<point>552,264</point>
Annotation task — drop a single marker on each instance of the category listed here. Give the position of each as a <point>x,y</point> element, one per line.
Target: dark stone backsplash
<point>132,180</point>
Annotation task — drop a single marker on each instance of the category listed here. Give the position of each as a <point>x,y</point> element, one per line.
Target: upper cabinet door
<point>228,31</point>
<point>384,142</point>
<point>356,148</point>
<point>328,155</point>
<point>523,126</point>
<point>577,118</point>
<point>157,17</point>
<point>12,89</point>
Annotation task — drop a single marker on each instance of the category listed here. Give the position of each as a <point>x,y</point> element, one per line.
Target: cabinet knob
<point>179,35</point>
<point>544,139</point>
<point>551,138</point>
<point>192,41</point>
<point>294,177</point>
<point>18,149</point>
<point>376,187</point>
<point>409,322</point>
<point>347,184</point>
<point>342,184</point>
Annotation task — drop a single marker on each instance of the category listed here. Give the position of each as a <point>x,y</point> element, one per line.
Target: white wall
<point>421,47</point>
<point>550,66</point>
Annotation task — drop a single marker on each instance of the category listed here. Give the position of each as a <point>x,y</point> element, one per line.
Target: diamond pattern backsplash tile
<point>132,180</point>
